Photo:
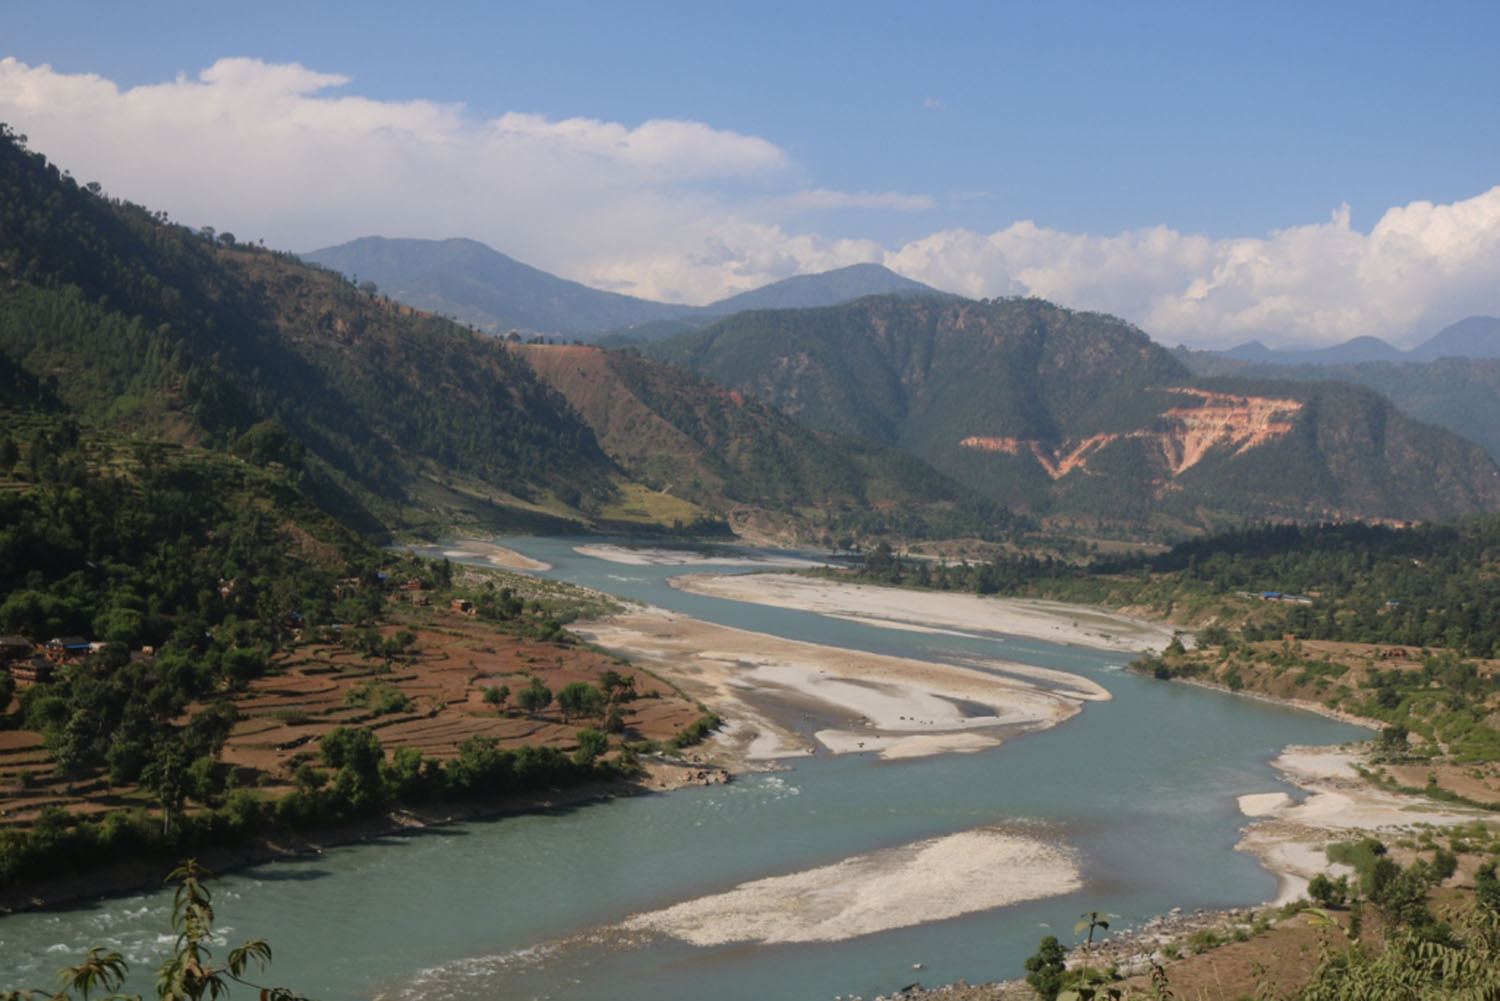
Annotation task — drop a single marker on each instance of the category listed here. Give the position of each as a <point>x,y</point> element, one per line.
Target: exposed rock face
<point>1219,421</point>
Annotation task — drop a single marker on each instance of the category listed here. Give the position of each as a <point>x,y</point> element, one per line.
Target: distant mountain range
<point>1475,337</point>
<point>1081,419</point>
<point>484,288</point>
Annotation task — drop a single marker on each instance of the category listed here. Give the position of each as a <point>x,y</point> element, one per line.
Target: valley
<point>293,568</point>
<point>849,806</point>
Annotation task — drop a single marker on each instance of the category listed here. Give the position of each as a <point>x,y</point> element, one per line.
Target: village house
<point>61,649</point>
<point>35,670</point>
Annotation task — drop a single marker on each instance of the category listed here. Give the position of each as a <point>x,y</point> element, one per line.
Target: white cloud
<point>684,211</point>
<point>1420,267</point>
<point>274,152</point>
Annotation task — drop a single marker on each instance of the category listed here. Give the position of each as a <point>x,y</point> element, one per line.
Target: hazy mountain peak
<point>479,285</point>
<point>827,288</point>
<point>1474,337</point>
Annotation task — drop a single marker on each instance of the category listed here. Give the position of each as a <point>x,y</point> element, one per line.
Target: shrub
<point>1327,892</point>
<point>591,744</point>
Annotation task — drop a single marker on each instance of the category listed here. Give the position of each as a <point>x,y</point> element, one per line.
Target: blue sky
<point>1297,172</point>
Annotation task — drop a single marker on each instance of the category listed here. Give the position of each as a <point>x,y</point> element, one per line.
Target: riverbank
<point>1229,953</point>
<point>1285,833</point>
<point>666,556</point>
<point>145,875</point>
<point>928,611</point>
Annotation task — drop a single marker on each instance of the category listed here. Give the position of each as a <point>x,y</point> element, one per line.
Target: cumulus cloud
<point>279,152</point>
<point>684,211</point>
<point>1420,267</point>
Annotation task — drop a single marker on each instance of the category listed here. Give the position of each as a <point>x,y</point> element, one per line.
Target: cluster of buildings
<point>33,662</point>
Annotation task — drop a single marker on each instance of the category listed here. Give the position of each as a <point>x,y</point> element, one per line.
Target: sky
<point>1299,173</point>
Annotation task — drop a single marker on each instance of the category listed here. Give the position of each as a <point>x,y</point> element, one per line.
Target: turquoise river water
<point>1141,788</point>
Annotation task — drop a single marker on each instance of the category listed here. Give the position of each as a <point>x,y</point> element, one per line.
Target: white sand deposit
<point>644,556</point>
<point>926,881</point>
<point>897,706</point>
<point>491,553</point>
<point>1053,621</point>
<point>1264,804</point>
<point>1339,806</point>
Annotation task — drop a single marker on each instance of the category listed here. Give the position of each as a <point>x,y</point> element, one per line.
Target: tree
<point>1045,968</point>
<point>534,697</point>
<point>357,755</point>
<point>591,744</point>
<point>166,777</point>
<point>579,698</point>
<point>618,688</point>
<point>1487,890</point>
<point>1327,892</point>
<point>1392,739</point>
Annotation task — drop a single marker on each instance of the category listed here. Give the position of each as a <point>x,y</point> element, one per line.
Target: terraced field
<point>430,698</point>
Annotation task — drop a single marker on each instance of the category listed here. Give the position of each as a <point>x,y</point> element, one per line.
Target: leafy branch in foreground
<point>189,974</point>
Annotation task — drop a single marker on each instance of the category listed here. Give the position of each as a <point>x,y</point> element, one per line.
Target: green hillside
<point>689,438</point>
<point>394,416</point>
<point>1081,419</point>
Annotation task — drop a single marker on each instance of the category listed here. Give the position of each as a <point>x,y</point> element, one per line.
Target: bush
<point>1045,968</point>
<point>696,731</point>
<point>1327,892</point>
<point>591,744</point>
<point>580,698</point>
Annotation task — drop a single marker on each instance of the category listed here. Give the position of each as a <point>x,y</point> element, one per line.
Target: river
<point>1141,789</point>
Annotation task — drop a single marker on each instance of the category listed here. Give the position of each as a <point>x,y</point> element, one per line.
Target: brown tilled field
<point>316,687</point>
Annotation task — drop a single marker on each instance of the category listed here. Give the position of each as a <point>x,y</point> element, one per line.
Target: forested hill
<point>137,324</point>
<point>1080,418</point>
<point>678,433</point>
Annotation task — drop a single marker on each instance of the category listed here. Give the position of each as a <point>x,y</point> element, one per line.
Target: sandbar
<point>853,701</point>
<point>648,556</point>
<point>924,611</point>
<point>929,880</point>
<point>491,553</point>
